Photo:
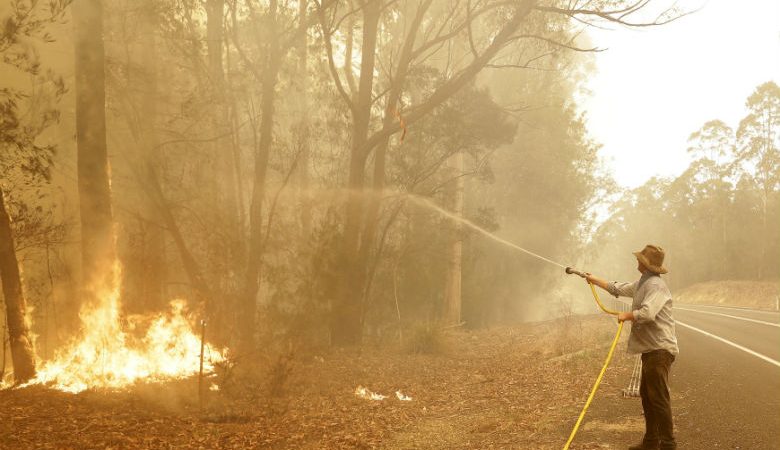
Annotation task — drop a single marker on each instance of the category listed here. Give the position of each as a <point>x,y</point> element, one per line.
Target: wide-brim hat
<point>652,257</point>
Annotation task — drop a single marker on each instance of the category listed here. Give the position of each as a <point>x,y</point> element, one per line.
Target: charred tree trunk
<point>97,240</point>
<point>22,352</point>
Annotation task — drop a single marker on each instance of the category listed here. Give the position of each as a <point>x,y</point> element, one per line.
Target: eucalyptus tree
<point>26,111</point>
<point>97,237</point>
<point>713,151</point>
<point>382,97</point>
<point>759,151</point>
<point>261,37</point>
<point>724,205</point>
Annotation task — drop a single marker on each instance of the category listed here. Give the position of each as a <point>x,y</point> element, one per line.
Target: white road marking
<point>733,344</point>
<point>763,311</point>
<point>732,317</point>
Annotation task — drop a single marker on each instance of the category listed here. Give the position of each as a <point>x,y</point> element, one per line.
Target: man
<point>652,335</point>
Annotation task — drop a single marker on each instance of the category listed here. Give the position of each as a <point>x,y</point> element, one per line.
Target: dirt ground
<point>513,387</point>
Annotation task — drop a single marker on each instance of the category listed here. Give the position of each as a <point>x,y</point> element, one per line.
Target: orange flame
<point>107,356</point>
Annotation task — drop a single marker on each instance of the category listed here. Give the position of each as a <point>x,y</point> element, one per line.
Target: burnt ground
<point>513,387</point>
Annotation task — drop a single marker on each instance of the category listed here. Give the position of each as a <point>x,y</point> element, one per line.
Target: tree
<point>467,38</point>
<point>724,205</point>
<point>712,148</point>
<point>133,91</point>
<point>97,236</point>
<point>25,164</point>
<point>358,238</point>
<point>15,305</point>
<point>759,149</point>
<point>274,45</point>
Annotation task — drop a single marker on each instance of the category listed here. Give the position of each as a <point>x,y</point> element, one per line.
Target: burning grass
<point>108,355</point>
<point>115,352</point>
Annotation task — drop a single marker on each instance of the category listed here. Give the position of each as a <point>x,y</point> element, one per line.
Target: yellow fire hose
<point>606,362</point>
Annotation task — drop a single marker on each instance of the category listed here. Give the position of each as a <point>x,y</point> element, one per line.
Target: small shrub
<point>426,338</point>
<point>279,374</point>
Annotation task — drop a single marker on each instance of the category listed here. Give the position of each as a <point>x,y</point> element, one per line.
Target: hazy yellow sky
<point>655,86</point>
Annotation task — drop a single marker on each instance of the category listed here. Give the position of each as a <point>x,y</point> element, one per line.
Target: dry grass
<point>746,294</point>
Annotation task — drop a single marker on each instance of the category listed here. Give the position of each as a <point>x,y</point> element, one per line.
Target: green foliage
<point>26,111</point>
<point>543,184</point>
<point>758,138</point>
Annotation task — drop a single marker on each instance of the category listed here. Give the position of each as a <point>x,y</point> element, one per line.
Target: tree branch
<point>619,15</point>
<point>326,39</point>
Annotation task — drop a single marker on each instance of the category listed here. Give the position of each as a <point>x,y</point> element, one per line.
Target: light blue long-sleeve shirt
<point>653,326</point>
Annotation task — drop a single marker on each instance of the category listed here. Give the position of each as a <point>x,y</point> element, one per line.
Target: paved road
<point>725,395</point>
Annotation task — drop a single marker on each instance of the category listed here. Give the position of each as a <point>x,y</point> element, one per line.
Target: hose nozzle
<point>570,271</point>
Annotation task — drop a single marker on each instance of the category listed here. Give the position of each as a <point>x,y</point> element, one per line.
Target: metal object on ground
<point>632,391</point>
<point>200,371</point>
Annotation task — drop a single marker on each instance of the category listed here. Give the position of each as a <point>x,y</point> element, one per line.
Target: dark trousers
<point>656,403</point>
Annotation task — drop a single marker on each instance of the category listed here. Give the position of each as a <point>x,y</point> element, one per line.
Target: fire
<point>109,355</point>
<point>404,398</point>
<point>362,392</point>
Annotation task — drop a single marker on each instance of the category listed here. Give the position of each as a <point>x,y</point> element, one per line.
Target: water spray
<point>429,204</point>
<point>569,270</point>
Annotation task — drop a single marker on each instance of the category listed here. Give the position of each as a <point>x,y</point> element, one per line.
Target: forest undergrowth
<point>518,386</point>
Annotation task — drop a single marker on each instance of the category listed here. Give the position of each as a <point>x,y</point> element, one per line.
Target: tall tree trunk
<point>224,191</point>
<point>764,233</point>
<point>97,240</point>
<point>346,315</point>
<point>271,67</point>
<point>723,242</point>
<point>452,287</point>
<point>220,190</point>
<point>154,267</point>
<point>303,131</point>
<point>391,114</point>
<point>22,352</point>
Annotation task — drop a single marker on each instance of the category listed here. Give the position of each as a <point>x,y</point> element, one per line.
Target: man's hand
<point>623,316</point>
<point>589,277</point>
<point>596,281</point>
